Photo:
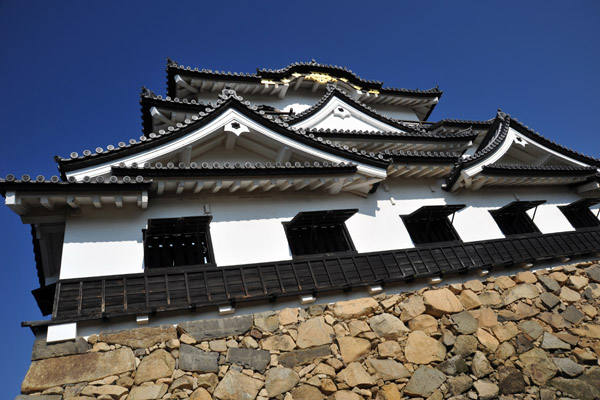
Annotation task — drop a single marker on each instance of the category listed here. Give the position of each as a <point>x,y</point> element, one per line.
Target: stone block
<point>140,338</point>
<point>237,386</point>
<point>299,357</point>
<point>217,328</point>
<point>148,392</point>
<point>44,374</point>
<point>42,350</point>
<point>196,360</point>
<point>424,381</point>
<point>249,358</point>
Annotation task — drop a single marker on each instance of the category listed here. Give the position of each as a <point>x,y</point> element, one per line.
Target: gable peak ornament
<point>236,128</point>
<point>319,77</point>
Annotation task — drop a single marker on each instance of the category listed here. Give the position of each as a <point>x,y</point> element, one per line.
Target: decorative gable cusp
<point>341,112</point>
<point>236,128</point>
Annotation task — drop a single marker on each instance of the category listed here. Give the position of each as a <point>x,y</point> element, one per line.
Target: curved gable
<point>230,115</point>
<point>337,110</point>
<point>509,148</point>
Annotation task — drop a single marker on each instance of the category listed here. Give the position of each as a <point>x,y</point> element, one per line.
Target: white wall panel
<point>247,229</point>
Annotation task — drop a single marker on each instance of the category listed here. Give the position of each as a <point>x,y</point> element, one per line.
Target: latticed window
<point>512,219</point>
<point>173,242</point>
<point>432,224</point>
<point>319,232</point>
<point>579,214</point>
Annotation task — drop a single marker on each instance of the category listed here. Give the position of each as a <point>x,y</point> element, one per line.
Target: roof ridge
<point>422,153</point>
<point>41,179</point>
<point>475,121</point>
<point>468,132</point>
<point>173,64</point>
<point>494,141</point>
<point>451,121</point>
<point>149,94</point>
<point>231,165</point>
<point>542,167</point>
<point>319,65</point>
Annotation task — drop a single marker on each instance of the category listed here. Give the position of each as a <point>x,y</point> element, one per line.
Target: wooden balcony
<point>168,289</point>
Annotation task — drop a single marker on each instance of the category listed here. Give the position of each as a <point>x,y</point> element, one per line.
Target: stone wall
<point>529,336</point>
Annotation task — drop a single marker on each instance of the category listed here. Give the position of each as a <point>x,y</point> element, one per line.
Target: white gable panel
<point>237,155</point>
<point>349,122</point>
<point>516,143</point>
<point>227,118</point>
<point>334,114</point>
<point>526,143</point>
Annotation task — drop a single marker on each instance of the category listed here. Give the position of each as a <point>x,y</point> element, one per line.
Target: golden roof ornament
<point>319,77</point>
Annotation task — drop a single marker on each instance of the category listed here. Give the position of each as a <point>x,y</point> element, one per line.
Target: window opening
<point>430,224</point>
<point>512,219</point>
<point>579,214</point>
<point>319,232</point>
<point>174,242</point>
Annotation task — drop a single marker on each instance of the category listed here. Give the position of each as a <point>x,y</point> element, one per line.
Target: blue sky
<point>72,71</point>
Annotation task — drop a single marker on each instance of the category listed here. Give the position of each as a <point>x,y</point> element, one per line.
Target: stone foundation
<point>529,336</point>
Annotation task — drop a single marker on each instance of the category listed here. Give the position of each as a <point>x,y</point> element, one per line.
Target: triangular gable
<point>230,120</point>
<point>511,149</point>
<point>337,110</point>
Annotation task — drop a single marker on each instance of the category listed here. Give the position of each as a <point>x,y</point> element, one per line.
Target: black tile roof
<point>422,156</point>
<point>491,142</point>
<point>227,99</point>
<point>174,68</point>
<point>54,184</point>
<point>462,136</point>
<point>538,170</point>
<point>235,169</point>
<point>461,123</point>
<point>148,100</point>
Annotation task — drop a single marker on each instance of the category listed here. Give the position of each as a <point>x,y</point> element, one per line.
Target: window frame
<point>209,254</point>
<point>582,205</point>
<point>443,214</point>
<point>287,225</point>
<point>518,208</point>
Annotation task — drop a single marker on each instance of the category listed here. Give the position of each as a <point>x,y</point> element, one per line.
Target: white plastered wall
<point>244,230</point>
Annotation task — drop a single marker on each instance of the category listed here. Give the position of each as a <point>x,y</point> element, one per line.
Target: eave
<point>331,179</point>
<point>257,169</point>
<point>40,198</point>
<point>539,170</point>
